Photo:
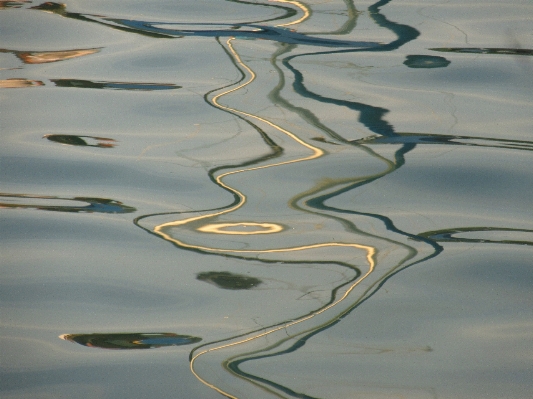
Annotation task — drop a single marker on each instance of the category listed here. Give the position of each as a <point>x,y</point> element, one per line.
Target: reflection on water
<point>42,57</point>
<point>88,84</point>
<point>131,340</point>
<point>318,193</point>
<point>426,61</point>
<point>472,50</point>
<point>229,281</point>
<point>70,139</point>
<point>99,205</point>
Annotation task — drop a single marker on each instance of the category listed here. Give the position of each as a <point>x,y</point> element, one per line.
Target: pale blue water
<point>266,199</point>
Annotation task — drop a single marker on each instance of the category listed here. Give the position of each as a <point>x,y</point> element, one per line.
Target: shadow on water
<point>229,281</point>
<point>89,84</point>
<point>365,253</point>
<point>130,340</point>
<point>52,203</point>
<point>84,141</point>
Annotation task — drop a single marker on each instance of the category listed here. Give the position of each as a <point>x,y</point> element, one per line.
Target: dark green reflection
<point>478,50</point>
<point>71,139</point>
<point>96,205</point>
<point>131,340</point>
<point>89,84</point>
<point>447,235</point>
<point>425,61</point>
<point>229,281</point>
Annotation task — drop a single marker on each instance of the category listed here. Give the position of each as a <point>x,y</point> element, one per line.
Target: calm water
<point>266,199</point>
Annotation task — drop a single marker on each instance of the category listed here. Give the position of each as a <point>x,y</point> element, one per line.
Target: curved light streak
<point>316,153</point>
<point>218,228</point>
<point>305,9</point>
<point>371,260</point>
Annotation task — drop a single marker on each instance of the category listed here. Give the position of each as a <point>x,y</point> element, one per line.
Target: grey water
<point>266,199</point>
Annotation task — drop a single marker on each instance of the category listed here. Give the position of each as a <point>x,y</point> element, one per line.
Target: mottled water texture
<point>280,199</point>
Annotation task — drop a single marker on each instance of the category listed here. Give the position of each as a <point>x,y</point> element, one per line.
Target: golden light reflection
<point>316,153</point>
<point>305,9</point>
<point>251,228</point>
<point>246,228</point>
<point>370,257</point>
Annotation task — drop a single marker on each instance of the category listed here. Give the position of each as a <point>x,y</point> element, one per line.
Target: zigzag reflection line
<point>370,257</point>
<point>317,152</point>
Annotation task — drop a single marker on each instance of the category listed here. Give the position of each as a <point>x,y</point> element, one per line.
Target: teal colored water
<point>266,199</point>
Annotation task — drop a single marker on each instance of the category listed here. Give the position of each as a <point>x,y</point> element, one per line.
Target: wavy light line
<point>306,10</point>
<point>370,258</point>
<point>316,153</point>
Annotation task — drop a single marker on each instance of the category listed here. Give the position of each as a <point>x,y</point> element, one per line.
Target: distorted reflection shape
<point>229,281</point>
<point>485,50</point>
<point>443,139</point>
<point>482,235</point>
<point>251,31</point>
<point>344,297</point>
<point>130,340</point>
<point>241,228</point>
<point>42,57</point>
<point>60,9</point>
<point>366,254</point>
<point>425,61</point>
<point>13,4</point>
<point>90,84</point>
<point>85,141</point>
<point>49,203</point>
<point>17,83</point>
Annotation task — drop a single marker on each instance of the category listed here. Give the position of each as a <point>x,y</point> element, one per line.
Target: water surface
<point>282,199</point>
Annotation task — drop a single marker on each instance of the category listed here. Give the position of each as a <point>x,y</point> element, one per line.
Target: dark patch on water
<point>425,61</point>
<point>131,340</point>
<point>229,281</point>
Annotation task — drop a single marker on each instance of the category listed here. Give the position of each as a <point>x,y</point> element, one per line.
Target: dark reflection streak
<point>98,205</point>
<point>234,365</point>
<point>372,118</point>
<point>91,84</point>
<point>308,116</point>
<point>331,300</point>
<point>405,33</point>
<point>419,138</point>
<point>277,34</point>
<point>60,9</point>
<point>477,50</point>
<point>447,235</point>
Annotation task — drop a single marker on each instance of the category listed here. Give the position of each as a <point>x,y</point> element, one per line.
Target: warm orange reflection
<point>42,57</point>
<point>19,83</point>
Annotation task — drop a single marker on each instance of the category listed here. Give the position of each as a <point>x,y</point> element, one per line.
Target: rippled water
<point>291,199</point>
